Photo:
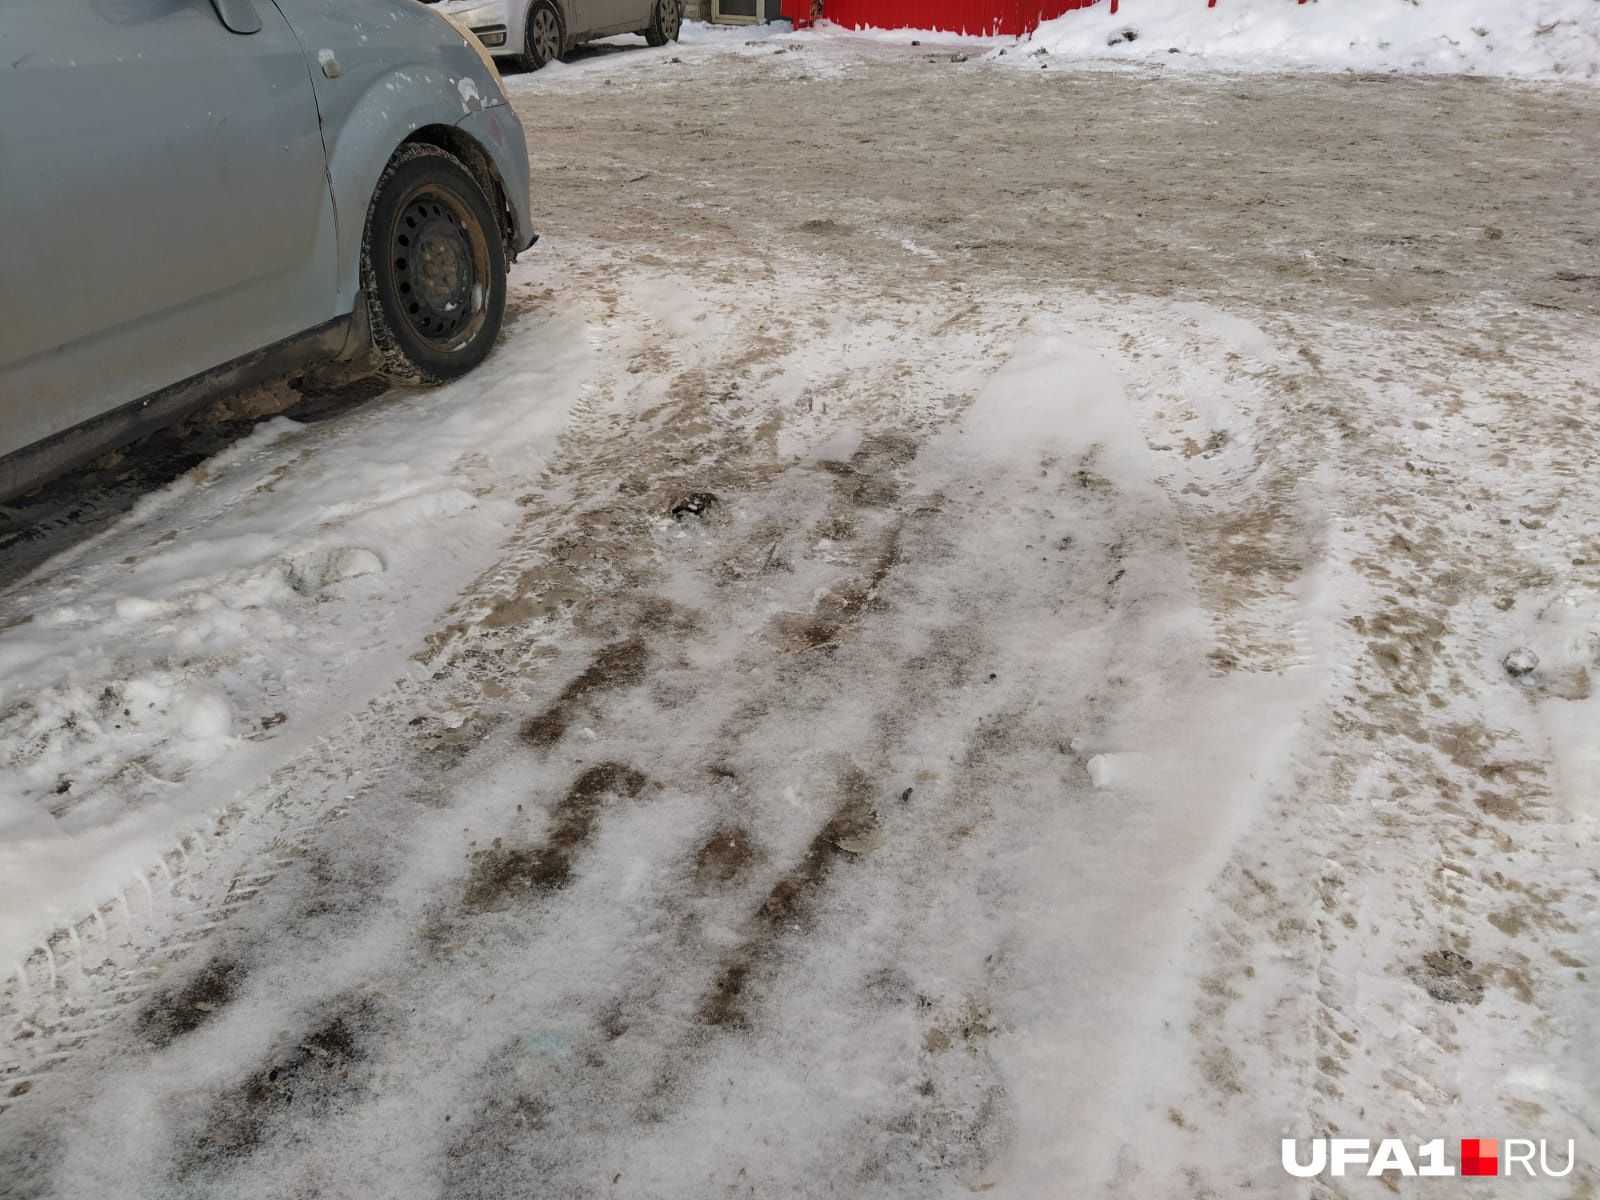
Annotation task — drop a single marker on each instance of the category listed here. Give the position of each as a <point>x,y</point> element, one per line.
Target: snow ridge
<point>1550,39</point>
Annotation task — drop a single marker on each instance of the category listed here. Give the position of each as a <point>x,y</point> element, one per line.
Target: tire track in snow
<point>1382,929</point>
<point>51,1024</point>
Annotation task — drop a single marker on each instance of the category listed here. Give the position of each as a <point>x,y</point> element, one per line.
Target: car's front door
<point>164,197</point>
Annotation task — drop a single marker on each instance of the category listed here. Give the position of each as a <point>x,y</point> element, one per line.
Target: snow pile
<point>1549,39</point>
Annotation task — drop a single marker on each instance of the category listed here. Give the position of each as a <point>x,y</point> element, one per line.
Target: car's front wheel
<point>434,268</point>
<point>666,20</point>
<point>543,39</point>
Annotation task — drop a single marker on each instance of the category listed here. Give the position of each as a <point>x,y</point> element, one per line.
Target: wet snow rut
<point>931,730</point>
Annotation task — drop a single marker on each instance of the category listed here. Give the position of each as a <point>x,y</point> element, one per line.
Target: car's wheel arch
<point>466,149</point>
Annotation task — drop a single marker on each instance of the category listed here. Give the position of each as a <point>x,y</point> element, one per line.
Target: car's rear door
<point>164,197</point>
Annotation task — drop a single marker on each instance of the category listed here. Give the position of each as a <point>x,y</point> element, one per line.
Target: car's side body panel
<point>80,443</point>
<point>164,188</point>
<point>605,17</point>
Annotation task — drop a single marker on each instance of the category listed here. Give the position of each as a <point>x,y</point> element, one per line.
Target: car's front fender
<point>382,70</point>
<point>499,134</point>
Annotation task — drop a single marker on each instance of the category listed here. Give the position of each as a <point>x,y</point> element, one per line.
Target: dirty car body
<point>186,186</point>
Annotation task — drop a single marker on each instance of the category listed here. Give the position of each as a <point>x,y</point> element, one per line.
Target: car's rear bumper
<point>499,132</point>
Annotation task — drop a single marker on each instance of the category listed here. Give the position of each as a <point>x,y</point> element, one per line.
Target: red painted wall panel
<point>1009,18</point>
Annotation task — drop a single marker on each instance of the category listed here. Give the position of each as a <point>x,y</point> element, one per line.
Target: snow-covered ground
<point>927,663</point>
<point>1545,39</point>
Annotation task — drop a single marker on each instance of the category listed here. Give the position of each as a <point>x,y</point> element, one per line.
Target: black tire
<point>666,20</point>
<point>544,38</point>
<point>434,268</point>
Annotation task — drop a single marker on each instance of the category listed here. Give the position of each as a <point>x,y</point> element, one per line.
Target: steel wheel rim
<point>440,257</point>
<point>545,34</point>
<point>671,17</point>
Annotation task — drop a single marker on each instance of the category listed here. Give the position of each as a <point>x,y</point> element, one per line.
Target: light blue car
<point>199,195</point>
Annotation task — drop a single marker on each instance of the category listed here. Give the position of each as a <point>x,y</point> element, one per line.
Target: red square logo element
<point>1480,1156</point>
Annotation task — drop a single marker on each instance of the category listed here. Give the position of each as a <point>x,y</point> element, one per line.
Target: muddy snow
<point>958,645</point>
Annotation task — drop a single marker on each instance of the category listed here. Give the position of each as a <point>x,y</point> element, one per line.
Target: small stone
<point>1520,663</point>
<point>1448,977</point>
<point>695,504</point>
<point>866,843</point>
<point>958,57</point>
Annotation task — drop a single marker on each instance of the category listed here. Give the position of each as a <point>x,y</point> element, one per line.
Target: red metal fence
<point>991,18</point>
<point>988,18</point>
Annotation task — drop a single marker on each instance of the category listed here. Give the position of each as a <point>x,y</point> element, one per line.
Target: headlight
<point>477,47</point>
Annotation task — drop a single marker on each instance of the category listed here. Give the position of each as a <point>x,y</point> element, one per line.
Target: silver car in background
<point>531,33</point>
<point>201,194</point>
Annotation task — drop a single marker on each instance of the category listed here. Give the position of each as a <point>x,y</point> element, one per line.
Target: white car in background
<point>532,32</point>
